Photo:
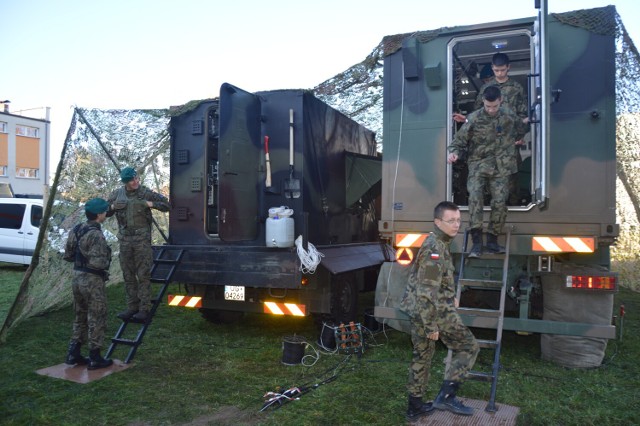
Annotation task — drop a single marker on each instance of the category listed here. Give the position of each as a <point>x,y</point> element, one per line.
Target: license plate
<point>234,292</point>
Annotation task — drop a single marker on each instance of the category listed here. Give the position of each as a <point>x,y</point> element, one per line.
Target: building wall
<point>24,153</point>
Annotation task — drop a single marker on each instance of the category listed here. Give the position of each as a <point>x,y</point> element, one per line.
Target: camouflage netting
<point>101,142</point>
<point>98,145</point>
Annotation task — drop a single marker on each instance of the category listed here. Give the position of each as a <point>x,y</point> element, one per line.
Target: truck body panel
<point>563,208</point>
<point>322,165</point>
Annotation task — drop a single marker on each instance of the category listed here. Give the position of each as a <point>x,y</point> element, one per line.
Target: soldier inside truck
<point>469,55</point>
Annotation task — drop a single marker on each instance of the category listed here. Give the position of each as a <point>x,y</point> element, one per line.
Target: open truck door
<point>539,103</point>
<point>238,155</point>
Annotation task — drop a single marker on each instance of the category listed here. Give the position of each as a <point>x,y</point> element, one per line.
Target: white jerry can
<point>280,232</point>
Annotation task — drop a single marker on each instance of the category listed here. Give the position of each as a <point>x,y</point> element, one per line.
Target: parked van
<point>19,227</point>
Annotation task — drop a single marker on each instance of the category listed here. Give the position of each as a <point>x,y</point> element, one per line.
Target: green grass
<point>190,371</point>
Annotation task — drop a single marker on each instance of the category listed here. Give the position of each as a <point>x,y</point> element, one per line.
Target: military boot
<point>141,316</point>
<point>492,244</point>
<point>446,399</point>
<point>476,248</point>
<point>97,361</point>
<point>126,315</point>
<point>74,356</point>
<point>417,408</point>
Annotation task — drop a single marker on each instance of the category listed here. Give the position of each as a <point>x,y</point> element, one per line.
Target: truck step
<point>479,376</point>
<point>485,284</point>
<point>488,313</point>
<point>126,342</point>
<point>487,344</point>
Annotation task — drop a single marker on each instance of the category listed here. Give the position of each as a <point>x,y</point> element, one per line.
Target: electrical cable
<point>309,260</point>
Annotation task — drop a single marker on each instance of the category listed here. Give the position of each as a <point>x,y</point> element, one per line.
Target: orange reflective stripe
<point>410,240</point>
<point>563,244</point>
<point>187,301</point>
<point>284,309</point>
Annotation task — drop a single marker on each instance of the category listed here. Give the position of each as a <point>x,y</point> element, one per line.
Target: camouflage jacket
<point>431,279</point>
<point>512,96</point>
<point>488,141</point>
<point>132,212</point>
<point>92,253</point>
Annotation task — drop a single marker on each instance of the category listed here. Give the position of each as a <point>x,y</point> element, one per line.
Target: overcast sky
<point>155,53</point>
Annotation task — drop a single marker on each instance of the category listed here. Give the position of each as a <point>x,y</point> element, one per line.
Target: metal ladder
<point>498,314</point>
<point>161,273</point>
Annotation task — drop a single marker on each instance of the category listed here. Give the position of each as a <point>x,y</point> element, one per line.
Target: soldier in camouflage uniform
<point>87,248</point>
<point>429,300</point>
<point>486,140</point>
<point>132,204</point>
<point>513,96</point>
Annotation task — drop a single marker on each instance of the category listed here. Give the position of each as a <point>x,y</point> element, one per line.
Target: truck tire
<point>344,298</point>
<point>219,316</point>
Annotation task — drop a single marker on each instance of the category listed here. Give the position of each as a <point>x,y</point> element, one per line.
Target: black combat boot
<point>446,399</point>
<point>141,316</point>
<point>492,244</point>
<point>417,408</point>
<point>97,361</point>
<point>74,356</point>
<point>126,315</point>
<point>476,248</point>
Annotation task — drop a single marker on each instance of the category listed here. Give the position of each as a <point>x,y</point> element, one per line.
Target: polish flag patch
<point>435,256</point>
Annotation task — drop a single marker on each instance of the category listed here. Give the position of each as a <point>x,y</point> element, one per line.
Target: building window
<point>31,132</point>
<point>25,172</point>
<point>3,171</point>
<point>3,127</point>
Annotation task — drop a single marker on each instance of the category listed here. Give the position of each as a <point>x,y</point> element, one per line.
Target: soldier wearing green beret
<point>87,248</point>
<point>132,204</point>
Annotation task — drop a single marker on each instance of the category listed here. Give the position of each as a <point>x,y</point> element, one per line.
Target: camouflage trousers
<point>136,259</point>
<point>498,188</point>
<point>90,307</point>
<point>453,333</point>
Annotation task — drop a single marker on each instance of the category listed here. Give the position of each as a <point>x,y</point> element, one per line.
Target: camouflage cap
<point>127,174</point>
<point>96,206</point>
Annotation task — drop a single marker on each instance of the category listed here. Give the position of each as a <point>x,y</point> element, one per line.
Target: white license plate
<point>234,292</point>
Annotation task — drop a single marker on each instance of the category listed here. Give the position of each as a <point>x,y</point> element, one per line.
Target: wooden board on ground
<point>80,374</point>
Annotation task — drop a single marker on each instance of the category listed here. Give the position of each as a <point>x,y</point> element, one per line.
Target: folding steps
<point>164,265</point>
<point>498,314</point>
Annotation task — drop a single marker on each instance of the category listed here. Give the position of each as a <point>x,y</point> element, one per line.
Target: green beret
<point>96,206</point>
<point>127,174</point>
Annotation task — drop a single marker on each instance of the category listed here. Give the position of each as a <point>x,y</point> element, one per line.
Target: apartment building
<point>24,151</point>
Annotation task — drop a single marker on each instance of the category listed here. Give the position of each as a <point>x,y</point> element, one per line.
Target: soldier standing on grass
<point>429,300</point>
<point>87,248</point>
<point>132,204</point>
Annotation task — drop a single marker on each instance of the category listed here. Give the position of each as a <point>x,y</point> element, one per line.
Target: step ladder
<point>497,285</point>
<point>165,264</point>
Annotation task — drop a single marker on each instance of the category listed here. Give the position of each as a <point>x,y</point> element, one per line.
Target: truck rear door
<point>239,156</point>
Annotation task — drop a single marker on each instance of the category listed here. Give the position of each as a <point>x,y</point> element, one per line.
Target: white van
<point>19,227</point>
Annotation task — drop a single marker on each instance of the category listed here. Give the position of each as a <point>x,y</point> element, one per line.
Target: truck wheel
<point>344,298</point>
<point>219,316</point>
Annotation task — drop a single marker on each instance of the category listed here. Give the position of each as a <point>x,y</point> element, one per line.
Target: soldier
<point>87,248</point>
<point>132,204</point>
<point>429,300</point>
<point>486,140</point>
<point>513,96</point>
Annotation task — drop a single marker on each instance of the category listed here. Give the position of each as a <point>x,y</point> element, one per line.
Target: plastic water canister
<point>280,229</point>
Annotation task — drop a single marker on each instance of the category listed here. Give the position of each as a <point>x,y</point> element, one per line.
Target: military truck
<point>561,219</point>
<point>274,199</point>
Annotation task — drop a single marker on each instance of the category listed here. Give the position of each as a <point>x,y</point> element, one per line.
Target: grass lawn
<point>192,372</point>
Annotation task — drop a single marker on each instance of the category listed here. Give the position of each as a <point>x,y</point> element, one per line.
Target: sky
<point>156,53</point>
